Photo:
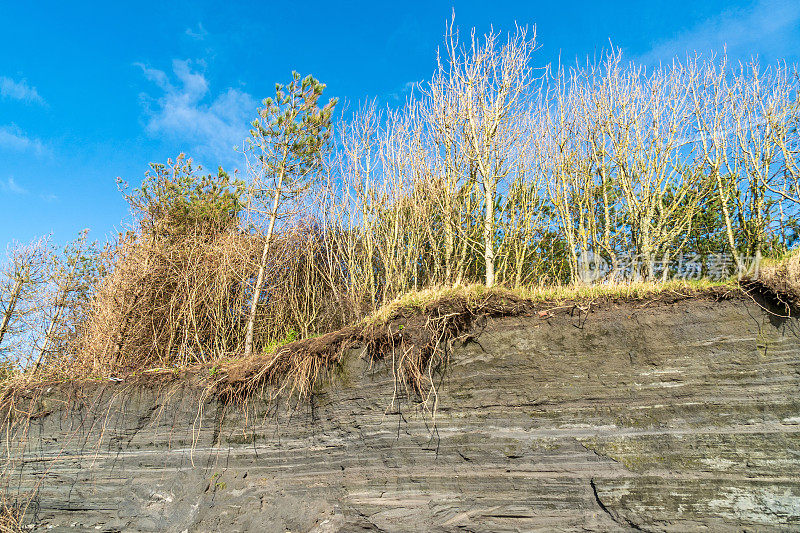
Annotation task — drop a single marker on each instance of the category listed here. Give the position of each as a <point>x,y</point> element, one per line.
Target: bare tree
<point>649,142</point>
<point>768,144</point>
<point>490,82</point>
<point>73,278</point>
<point>26,270</point>
<point>712,98</point>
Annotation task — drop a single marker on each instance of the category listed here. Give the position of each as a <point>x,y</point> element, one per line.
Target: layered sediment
<point>649,416</point>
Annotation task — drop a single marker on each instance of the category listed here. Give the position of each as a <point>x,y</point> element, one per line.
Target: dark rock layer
<point>679,417</point>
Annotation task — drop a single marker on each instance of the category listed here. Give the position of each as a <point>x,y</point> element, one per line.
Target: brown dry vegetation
<point>11,516</point>
<point>494,172</point>
<point>779,281</point>
<point>165,304</point>
<point>414,334</point>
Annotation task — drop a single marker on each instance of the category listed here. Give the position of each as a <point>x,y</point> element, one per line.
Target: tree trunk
<point>12,304</point>
<point>488,234</point>
<point>262,266</point>
<point>49,334</point>
<point>728,225</point>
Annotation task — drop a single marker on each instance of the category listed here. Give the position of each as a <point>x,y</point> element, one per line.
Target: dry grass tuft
<point>166,304</point>
<point>292,368</point>
<point>779,281</point>
<point>474,294</point>
<point>11,515</point>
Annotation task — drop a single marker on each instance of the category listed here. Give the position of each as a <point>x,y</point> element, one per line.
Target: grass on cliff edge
<point>474,294</point>
<point>416,345</point>
<point>414,334</point>
<point>779,279</point>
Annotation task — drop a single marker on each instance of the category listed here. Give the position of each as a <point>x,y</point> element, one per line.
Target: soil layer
<point>676,415</point>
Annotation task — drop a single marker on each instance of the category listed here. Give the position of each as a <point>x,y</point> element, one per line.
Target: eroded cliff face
<point>646,416</point>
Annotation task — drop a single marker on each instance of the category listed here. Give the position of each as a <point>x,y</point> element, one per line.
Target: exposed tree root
<point>12,513</point>
<point>777,287</point>
<point>414,341</point>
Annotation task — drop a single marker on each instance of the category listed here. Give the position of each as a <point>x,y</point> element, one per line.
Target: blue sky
<point>92,91</point>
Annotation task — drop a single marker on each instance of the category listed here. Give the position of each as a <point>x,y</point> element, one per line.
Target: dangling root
<point>418,341</point>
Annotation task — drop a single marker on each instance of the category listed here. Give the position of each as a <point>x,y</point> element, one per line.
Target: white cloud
<point>199,33</point>
<point>402,92</point>
<point>186,111</point>
<point>769,29</point>
<point>13,138</point>
<point>19,90</point>
<point>12,186</point>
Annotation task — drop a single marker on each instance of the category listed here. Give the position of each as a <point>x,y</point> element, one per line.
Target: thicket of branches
<point>495,171</point>
<point>517,176</point>
<point>45,300</point>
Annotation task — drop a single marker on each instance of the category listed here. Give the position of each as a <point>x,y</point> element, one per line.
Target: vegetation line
<point>501,180</point>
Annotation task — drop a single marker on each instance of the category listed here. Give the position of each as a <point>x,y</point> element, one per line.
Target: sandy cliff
<point>650,416</point>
